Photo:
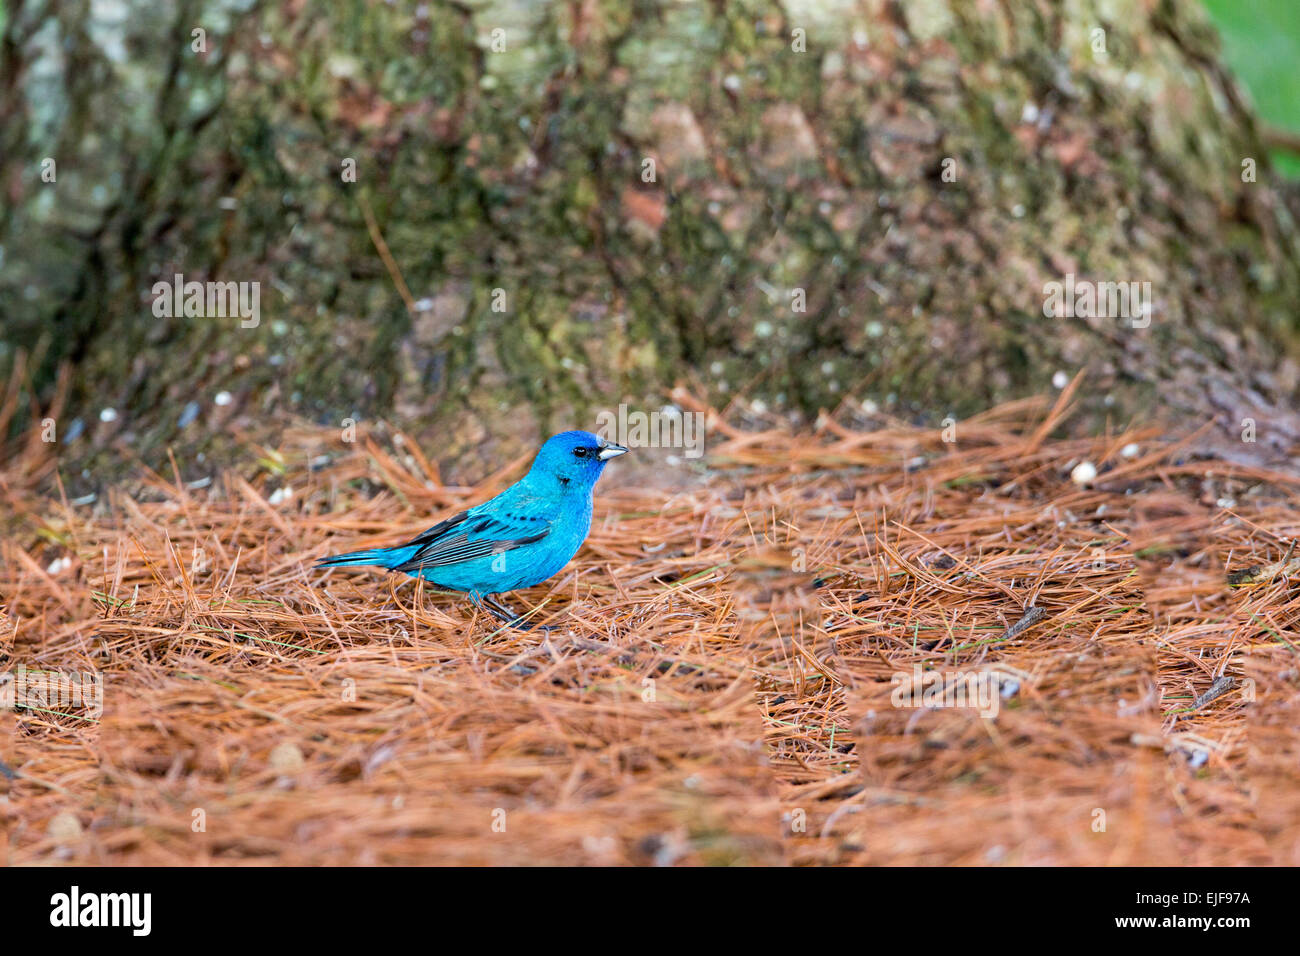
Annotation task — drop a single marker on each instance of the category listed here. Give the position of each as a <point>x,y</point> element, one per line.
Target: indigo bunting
<point>517,539</point>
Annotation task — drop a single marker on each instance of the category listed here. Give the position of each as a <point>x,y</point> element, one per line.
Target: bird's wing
<point>471,535</point>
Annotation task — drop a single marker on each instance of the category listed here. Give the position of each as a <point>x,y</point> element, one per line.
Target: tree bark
<point>809,205</point>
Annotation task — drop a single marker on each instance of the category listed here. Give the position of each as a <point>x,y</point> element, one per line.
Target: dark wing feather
<point>468,535</point>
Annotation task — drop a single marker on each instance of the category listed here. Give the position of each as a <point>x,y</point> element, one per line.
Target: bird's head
<point>574,459</point>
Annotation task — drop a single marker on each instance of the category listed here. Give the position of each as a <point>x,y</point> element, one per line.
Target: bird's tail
<point>375,557</point>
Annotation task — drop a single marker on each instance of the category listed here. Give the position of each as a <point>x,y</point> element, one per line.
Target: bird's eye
<point>580,453</point>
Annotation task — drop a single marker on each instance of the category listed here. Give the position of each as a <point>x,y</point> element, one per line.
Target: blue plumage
<point>517,539</point>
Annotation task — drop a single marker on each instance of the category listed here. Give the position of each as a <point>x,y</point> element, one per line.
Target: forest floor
<point>728,677</point>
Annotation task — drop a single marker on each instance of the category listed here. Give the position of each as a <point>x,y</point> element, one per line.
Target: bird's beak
<point>609,450</point>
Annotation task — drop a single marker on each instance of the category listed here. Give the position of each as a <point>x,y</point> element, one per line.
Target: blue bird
<point>517,539</point>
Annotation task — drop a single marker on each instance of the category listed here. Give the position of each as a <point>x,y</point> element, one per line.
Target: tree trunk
<point>810,205</point>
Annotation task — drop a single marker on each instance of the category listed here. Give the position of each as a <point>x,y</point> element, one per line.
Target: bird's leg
<point>507,616</point>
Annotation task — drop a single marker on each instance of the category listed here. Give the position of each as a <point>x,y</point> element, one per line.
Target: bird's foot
<point>504,614</point>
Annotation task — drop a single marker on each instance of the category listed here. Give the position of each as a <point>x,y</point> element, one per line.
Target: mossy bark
<point>913,174</point>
